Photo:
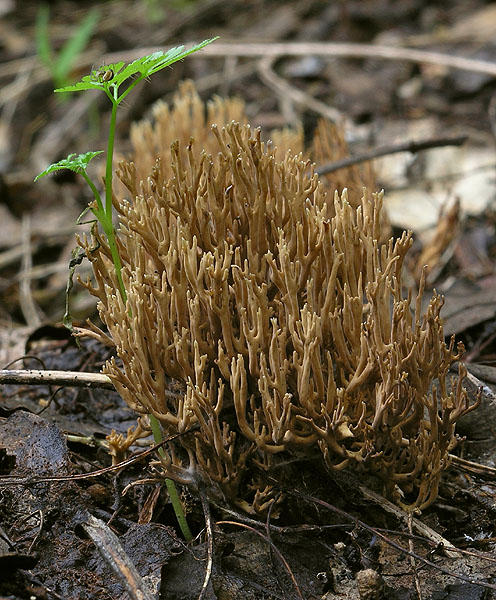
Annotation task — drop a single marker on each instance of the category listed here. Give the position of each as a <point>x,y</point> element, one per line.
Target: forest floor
<point>74,527</point>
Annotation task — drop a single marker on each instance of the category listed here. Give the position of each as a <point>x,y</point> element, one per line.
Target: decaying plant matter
<point>276,305</point>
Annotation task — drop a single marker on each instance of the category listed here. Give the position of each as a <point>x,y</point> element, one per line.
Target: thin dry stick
<point>66,378</point>
<point>210,542</point>
<point>8,110</point>
<point>11,255</point>
<point>26,357</point>
<point>14,254</point>
<point>437,547</point>
<point>269,537</point>
<point>58,133</point>
<point>472,467</point>
<point>403,516</point>
<point>333,49</point>
<point>327,49</point>
<point>412,147</point>
<point>243,518</point>
<point>228,73</point>
<point>411,547</point>
<point>285,90</point>
<point>37,74</point>
<point>6,480</point>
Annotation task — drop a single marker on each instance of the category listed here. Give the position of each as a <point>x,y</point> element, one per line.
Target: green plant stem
<point>105,218</point>
<point>130,88</point>
<point>171,486</point>
<point>178,509</point>
<point>110,159</point>
<point>116,260</point>
<point>99,212</point>
<point>155,425</point>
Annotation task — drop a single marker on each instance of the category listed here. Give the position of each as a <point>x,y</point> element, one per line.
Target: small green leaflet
<point>142,68</point>
<point>74,162</point>
<point>94,81</point>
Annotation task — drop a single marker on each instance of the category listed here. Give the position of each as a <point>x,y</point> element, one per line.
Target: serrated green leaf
<point>151,63</point>
<point>134,68</point>
<point>159,60</point>
<point>74,162</point>
<point>145,64</point>
<point>86,83</point>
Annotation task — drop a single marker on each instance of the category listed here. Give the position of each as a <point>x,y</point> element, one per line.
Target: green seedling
<point>117,81</point>
<point>61,64</point>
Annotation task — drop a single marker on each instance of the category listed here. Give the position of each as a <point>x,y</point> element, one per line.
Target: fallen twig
<point>66,378</point>
<point>285,90</point>
<point>473,468</point>
<point>439,547</point>
<point>412,147</point>
<point>403,516</point>
<point>269,537</point>
<point>333,49</point>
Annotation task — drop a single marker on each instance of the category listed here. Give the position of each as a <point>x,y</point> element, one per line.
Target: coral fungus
<point>278,309</point>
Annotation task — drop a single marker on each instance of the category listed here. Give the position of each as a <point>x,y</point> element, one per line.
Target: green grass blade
<point>74,46</point>
<point>43,48</point>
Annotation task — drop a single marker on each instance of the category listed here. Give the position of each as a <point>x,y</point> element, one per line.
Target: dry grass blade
<point>115,556</point>
<point>210,543</point>
<point>472,467</point>
<point>405,517</point>
<point>412,559</point>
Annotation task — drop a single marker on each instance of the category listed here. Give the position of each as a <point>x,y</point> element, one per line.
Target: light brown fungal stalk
<point>280,311</point>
